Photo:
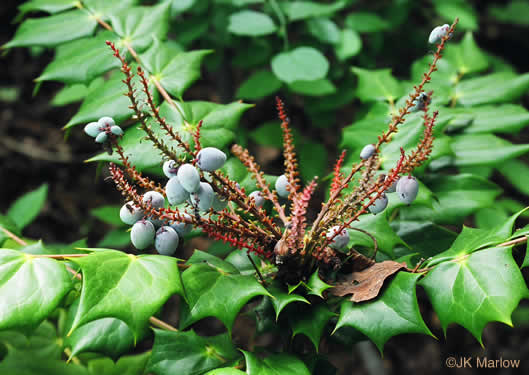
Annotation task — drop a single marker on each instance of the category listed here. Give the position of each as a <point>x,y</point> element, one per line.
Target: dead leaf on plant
<point>365,285</point>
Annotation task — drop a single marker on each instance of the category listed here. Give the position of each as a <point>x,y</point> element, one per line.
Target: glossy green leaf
<point>484,149</point>
<point>53,30</point>
<point>251,23</point>
<point>490,217</point>
<point>423,236</point>
<point>300,64</point>
<point>41,343</point>
<point>317,87</point>
<point>211,291</point>
<point>126,287</point>
<point>517,173</point>
<point>349,44</point>
<point>16,362</point>
<point>225,371</point>
<point>274,364</point>
<point>188,353</point>
<point>138,30</point>
<point>311,323</point>
<point>50,6</point>
<point>280,299</point>
<point>376,85</point>
<point>394,312</point>
<point>27,207</point>
<point>466,56</point>
<point>512,13</point>
<point>476,289</point>
<point>129,365</point>
<point>299,10</point>
<point>69,94</point>
<point>260,84</point>
<point>365,22</point>
<point>34,285</point>
<point>324,29</point>
<point>499,87</point>
<point>81,60</point>
<point>450,9</point>
<point>316,286</point>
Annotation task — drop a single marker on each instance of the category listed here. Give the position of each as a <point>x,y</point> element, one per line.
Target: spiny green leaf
<point>53,30</point>
<point>16,362</point>
<point>274,364</point>
<point>28,206</point>
<point>69,94</point>
<point>281,299</point>
<point>211,291</point>
<point>316,286</point>
<point>251,23</point>
<point>484,149</point>
<point>300,64</point>
<point>188,353</point>
<point>129,365</point>
<point>376,85</point>
<point>424,236</point>
<point>502,87</point>
<point>476,289</point>
<point>30,288</point>
<point>467,56</point>
<point>394,312</point>
<point>126,287</point>
<point>311,323</point>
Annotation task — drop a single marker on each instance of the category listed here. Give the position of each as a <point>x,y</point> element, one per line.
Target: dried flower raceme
<point>210,200</point>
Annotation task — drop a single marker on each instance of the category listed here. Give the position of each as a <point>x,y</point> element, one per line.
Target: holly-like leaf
<point>138,30</point>
<point>517,173</point>
<point>484,149</point>
<point>467,56</point>
<point>127,287</point>
<point>394,312</point>
<point>377,85</point>
<point>251,23</point>
<point>300,64</point>
<point>18,362</point>
<point>129,365</point>
<point>476,289</point>
<point>281,299</point>
<point>505,118</point>
<point>424,236</point>
<point>188,353</point>
<point>53,30</point>
<point>274,364</point>
<point>30,288</point>
<point>316,286</point>
<point>212,291</point>
<point>28,206</point>
<point>311,323</point>
<point>502,87</point>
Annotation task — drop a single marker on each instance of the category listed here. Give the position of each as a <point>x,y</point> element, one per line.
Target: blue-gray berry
<point>258,198</point>
<point>154,198</point>
<point>204,196</point>
<point>419,103</point>
<point>341,240</point>
<point>189,177</point>
<point>182,228</point>
<point>129,213</point>
<point>142,234</point>
<point>438,33</point>
<point>116,130</point>
<point>156,222</point>
<point>379,205</point>
<point>106,121</point>
<point>210,159</point>
<point>170,168</point>
<point>392,188</point>
<point>281,186</point>
<point>407,189</point>
<point>176,194</point>
<point>166,241</point>
<point>102,137</point>
<point>367,151</point>
<point>92,129</point>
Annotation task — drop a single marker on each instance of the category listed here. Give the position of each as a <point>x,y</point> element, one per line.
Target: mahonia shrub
<point>346,273</point>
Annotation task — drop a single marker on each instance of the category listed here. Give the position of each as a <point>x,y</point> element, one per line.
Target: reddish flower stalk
<point>338,175</point>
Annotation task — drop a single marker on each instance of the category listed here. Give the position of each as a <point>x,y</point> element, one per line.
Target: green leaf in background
<point>50,6</point>
<point>260,84</point>
<point>34,285</point>
<point>251,23</point>
<point>450,9</point>
<point>517,173</point>
<point>188,353</point>
<point>324,29</point>
<point>349,44</point>
<point>117,238</point>
<point>280,299</point>
<point>274,365</point>
<point>499,87</point>
<point>365,22</point>
<point>484,149</point>
<point>476,289</point>
<point>467,56</point>
<point>300,64</point>
<point>53,30</point>
<point>127,287</point>
<point>376,85</point>
<point>82,60</point>
<point>211,291</point>
<point>423,236</point>
<point>317,87</point>
<point>311,323</point>
<point>394,312</point>
<point>513,13</point>
<point>313,160</point>
<point>129,365</point>
<point>27,207</point>
<point>225,371</point>
<point>490,217</point>
<point>108,214</point>
<point>138,30</point>
<point>16,362</point>
<point>69,94</point>
<point>300,10</point>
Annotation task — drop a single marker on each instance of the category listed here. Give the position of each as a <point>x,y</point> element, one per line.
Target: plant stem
<point>15,238</point>
<point>282,23</point>
<point>256,270</point>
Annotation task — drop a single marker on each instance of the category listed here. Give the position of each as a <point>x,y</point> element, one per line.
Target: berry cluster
<point>104,128</point>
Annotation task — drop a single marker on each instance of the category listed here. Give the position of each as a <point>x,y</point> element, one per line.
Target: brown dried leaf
<point>365,285</point>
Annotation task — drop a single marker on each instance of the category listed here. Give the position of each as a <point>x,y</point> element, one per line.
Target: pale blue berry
<point>341,240</point>
<point>129,213</point>
<point>92,129</point>
<point>106,121</point>
<point>189,177</point>
<point>258,198</point>
<point>219,203</point>
<point>419,103</point>
<point>102,137</point>
<point>154,198</point>
<point>170,168</point>
<point>407,189</point>
<point>392,188</point>
<point>210,159</point>
<point>204,196</point>
<point>142,234</point>
<point>116,130</point>
<point>182,228</point>
<point>166,241</point>
<point>176,194</point>
<point>379,205</point>
<point>367,151</point>
<point>438,33</point>
<point>281,186</point>
<point>156,222</point>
